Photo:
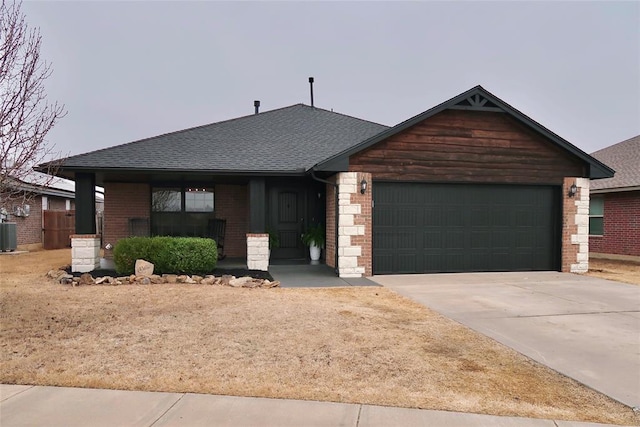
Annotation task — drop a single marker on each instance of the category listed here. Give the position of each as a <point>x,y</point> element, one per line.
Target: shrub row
<point>168,254</point>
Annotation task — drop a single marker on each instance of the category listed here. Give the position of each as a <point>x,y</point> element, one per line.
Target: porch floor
<point>300,273</point>
<point>313,276</point>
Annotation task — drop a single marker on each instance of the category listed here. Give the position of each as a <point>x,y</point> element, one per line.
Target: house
<point>471,184</point>
<point>42,207</point>
<point>614,214</point>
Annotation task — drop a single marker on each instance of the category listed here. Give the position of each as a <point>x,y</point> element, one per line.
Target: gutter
<point>335,187</point>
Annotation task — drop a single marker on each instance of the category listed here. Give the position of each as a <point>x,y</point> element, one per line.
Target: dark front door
<point>287,213</point>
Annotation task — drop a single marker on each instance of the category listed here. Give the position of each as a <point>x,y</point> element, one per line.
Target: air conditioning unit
<point>8,237</point>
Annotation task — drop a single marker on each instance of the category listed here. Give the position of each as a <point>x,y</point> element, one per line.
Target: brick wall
<point>330,241</point>
<point>133,200</point>
<point>28,229</point>
<point>121,202</point>
<point>621,225</point>
<point>232,204</point>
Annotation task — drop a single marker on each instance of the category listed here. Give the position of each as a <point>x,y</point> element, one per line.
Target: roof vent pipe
<point>256,104</point>
<point>311,85</point>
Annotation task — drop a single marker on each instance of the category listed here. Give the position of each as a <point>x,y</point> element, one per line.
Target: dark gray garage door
<point>428,228</point>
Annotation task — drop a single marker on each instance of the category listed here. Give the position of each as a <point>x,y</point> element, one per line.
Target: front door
<point>287,213</point>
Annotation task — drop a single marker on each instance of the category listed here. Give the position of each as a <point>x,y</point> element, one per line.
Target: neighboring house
<point>36,198</point>
<point>614,215</point>
<point>469,185</point>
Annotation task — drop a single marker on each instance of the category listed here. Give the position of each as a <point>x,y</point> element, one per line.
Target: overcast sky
<point>130,70</point>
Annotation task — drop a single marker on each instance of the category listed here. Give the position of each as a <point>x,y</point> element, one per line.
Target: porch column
<point>85,244</point>
<point>257,205</point>
<point>257,239</point>
<point>85,252</point>
<point>85,203</point>
<point>354,224</point>
<point>575,226</point>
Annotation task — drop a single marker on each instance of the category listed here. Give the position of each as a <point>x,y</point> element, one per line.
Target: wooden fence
<point>58,226</point>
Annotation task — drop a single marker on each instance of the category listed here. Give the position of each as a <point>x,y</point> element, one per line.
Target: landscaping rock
<point>55,274</point>
<point>240,281</point>
<point>65,279</point>
<point>86,279</point>
<point>144,268</point>
<point>208,281</point>
<point>170,278</point>
<point>268,284</point>
<point>155,279</point>
<point>225,280</point>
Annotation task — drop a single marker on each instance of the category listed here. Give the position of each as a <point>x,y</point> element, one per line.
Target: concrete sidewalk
<point>61,406</point>
<point>583,327</point>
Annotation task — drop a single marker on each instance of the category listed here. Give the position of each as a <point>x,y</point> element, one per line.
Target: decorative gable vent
<point>477,102</point>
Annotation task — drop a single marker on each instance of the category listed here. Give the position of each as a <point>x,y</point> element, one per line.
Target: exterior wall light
<point>573,190</point>
<point>363,186</point>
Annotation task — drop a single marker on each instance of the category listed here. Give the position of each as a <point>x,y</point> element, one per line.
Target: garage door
<point>429,228</point>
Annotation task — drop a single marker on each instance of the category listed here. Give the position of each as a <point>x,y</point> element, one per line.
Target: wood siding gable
<point>466,145</point>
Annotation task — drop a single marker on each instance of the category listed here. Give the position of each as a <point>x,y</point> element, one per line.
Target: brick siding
<point>621,225</point>
<point>28,229</point>
<point>232,204</point>
<point>133,200</point>
<point>121,202</point>
<point>330,240</point>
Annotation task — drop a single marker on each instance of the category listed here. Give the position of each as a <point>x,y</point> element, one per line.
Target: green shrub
<point>168,254</point>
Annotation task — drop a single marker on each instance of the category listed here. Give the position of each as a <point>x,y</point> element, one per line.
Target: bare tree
<point>25,114</point>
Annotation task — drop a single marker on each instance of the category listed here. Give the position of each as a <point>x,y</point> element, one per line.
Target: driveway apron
<point>583,327</point>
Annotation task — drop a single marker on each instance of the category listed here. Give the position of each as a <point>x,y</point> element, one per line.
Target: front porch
<point>301,273</point>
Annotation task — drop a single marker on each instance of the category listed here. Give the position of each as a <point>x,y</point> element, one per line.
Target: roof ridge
<point>343,114</point>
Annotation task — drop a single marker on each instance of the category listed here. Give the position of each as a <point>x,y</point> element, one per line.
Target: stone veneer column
<point>575,226</point>
<point>353,224</point>
<point>85,252</point>
<point>258,251</point>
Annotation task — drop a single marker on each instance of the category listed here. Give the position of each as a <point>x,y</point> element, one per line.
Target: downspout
<point>335,190</point>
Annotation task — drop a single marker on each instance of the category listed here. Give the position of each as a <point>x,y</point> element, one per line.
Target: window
<point>596,216</point>
<point>166,200</point>
<point>198,200</point>
<point>184,211</point>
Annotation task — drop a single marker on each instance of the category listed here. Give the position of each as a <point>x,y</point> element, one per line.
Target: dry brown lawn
<point>358,345</point>
<point>621,271</point>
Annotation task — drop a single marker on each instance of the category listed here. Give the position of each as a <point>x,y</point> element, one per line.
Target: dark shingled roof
<point>290,140</point>
<point>624,158</point>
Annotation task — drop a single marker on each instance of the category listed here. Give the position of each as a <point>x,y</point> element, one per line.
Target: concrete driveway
<point>583,327</point>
